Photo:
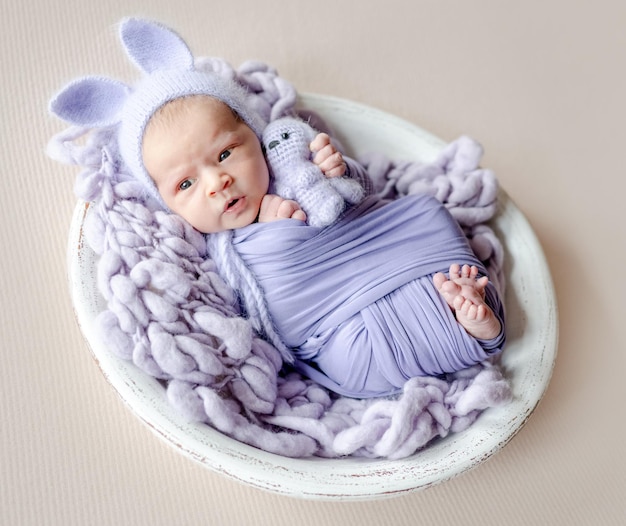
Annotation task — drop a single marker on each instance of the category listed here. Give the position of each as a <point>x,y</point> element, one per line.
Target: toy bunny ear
<point>90,101</point>
<point>152,46</point>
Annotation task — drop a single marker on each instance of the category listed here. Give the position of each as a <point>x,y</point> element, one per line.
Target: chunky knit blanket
<point>172,314</point>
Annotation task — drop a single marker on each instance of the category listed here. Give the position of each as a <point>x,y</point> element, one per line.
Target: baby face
<point>207,164</point>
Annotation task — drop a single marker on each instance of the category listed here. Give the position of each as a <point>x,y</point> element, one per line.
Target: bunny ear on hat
<point>90,101</point>
<point>153,47</point>
<point>98,101</point>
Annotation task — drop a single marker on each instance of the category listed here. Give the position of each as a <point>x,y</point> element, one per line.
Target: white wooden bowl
<point>532,333</point>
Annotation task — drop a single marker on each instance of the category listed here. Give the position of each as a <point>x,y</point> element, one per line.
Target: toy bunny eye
<point>284,135</point>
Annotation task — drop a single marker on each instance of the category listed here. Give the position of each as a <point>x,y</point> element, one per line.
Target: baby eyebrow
<point>227,141</point>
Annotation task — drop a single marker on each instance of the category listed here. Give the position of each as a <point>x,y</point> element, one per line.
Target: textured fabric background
<point>540,85</point>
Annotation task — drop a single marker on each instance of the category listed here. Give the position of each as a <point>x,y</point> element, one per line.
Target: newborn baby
<point>388,291</point>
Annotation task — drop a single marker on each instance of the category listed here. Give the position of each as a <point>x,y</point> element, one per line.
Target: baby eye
<point>224,155</point>
<point>185,184</point>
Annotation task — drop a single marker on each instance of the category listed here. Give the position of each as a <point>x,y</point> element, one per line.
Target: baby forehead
<point>190,105</point>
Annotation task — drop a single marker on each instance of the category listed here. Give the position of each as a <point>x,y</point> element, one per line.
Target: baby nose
<point>217,183</point>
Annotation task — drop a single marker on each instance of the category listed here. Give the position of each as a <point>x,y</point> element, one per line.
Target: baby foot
<point>466,297</point>
<point>273,208</point>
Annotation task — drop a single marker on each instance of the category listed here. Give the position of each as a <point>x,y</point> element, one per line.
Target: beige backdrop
<point>540,84</point>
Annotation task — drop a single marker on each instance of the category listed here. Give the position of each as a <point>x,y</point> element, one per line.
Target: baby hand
<point>326,156</point>
<point>273,208</point>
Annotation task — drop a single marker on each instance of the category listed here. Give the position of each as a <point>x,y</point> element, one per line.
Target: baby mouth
<point>232,205</point>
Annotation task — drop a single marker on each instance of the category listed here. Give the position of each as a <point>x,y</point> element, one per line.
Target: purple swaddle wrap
<point>356,299</point>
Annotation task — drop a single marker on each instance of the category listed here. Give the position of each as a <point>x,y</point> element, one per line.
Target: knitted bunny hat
<point>169,73</point>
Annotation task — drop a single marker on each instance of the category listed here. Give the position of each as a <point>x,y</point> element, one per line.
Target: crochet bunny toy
<point>295,176</point>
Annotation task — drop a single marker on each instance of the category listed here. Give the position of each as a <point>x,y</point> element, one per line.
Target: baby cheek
<point>264,176</point>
